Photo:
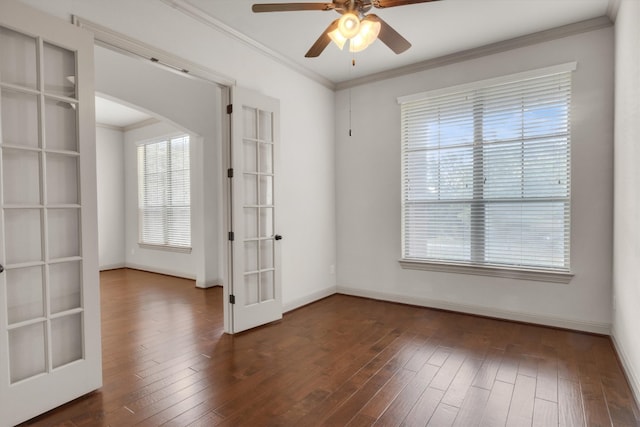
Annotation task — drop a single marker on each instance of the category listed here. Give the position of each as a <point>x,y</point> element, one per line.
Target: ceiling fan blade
<point>381,4</point>
<point>390,37</point>
<point>290,7</point>
<point>322,41</point>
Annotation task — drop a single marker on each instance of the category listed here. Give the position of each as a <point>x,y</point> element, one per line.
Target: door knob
<point>1,268</point>
<point>278,237</point>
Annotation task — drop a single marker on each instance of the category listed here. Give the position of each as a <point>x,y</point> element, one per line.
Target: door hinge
<point>229,108</point>
<point>232,299</point>
<point>230,173</point>
<point>231,236</point>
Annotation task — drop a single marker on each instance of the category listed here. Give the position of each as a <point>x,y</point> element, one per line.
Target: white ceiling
<point>435,29</point>
<point>114,114</point>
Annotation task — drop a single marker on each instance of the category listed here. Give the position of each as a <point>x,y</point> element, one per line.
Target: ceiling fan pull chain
<point>353,64</point>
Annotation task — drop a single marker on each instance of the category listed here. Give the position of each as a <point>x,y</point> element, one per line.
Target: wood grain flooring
<point>340,361</point>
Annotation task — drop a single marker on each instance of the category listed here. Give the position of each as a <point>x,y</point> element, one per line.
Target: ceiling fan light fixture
<point>337,38</point>
<point>349,25</point>
<point>368,33</point>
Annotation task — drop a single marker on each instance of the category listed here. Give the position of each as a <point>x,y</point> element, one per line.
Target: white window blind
<point>164,193</point>
<point>486,175</point>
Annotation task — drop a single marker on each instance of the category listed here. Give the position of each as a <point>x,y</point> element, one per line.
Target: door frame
<point>107,38</point>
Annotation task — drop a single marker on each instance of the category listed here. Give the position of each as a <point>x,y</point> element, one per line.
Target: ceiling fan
<point>355,25</point>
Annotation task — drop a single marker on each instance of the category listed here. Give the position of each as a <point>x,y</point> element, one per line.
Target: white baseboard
<point>594,327</point>
<point>308,299</point>
<point>632,375</point>
<point>111,266</point>
<point>164,271</point>
<point>209,285</point>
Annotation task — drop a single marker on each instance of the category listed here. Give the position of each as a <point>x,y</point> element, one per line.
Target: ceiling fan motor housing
<point>354,25</point>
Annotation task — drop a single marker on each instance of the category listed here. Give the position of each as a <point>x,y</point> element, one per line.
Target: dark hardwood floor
<point>340,361</point>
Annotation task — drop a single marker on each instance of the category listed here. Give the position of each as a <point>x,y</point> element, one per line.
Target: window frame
<point>473,267</point>
<point>140,194</point>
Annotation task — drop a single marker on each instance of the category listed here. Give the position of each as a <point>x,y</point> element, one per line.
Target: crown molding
<point>612,9</point>
<point>490,49</point>
<point>110,127</point>
<point>144,123</point>
<point>200,15</point>
<point>117,41</point>
<point>133,126</point>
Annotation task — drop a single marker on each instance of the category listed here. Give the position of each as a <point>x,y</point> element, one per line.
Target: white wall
<point>369,193</point>
<point>307,200</point>
<point>626,268</point>
<point>189,265</point>
<point>110,176</point>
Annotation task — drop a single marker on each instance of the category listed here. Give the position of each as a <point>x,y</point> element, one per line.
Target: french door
<point>49,294</point>
<point>256,296</point>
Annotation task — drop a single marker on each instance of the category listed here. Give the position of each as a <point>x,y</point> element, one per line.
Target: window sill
<point>178,249</point>
<point>481,270</point>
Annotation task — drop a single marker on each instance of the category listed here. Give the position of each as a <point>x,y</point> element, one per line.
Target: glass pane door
<point>258,207</point>
<point>49,293</point>
<point>40,205</point>
<point>256,269</point>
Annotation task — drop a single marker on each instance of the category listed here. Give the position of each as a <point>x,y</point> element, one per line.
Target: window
<point>164,193</point>
<point>486,173</point>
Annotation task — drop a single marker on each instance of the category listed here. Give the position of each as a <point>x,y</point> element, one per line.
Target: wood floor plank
<point>383,399</point>
<point>547,380</point>
<point>470,414</point>
<point>361,420</point>
<point>545,413</point>
<point>444,416</point>
<point>528,366</point>
<point>522,401</point>
<point>487,373</point>
<point>207,420</point>
<point>440,356</point>
<point>422,355</point>
<point>570,409</point>
<point>424,407</point>
<point>508,370</point>
<point>448,371</point>
<point>407,398</point>
<point>352,384</point>
<point>497,409</point>
<point>620,405</point>
<point>458,388</point>
<point>340,361</point>
<point>595,406</point>
<point>363,395</point>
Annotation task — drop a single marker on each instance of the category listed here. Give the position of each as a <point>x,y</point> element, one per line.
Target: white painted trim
<point>200,15</point>
<point>308,299</point>
<point>578,325</point>
<point>633,378</point>
<point>165,271</point>
<point>165,248</point>
<point>107,126</point>
<point>478,52</point>
<point>144,123</point>
<point>511,78</point>
<point>612,9</point>
<point>485,270</point>
<point>208,285</point>
<point>113,40</point>
<point>112,266</point>
<point>147,122</point>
